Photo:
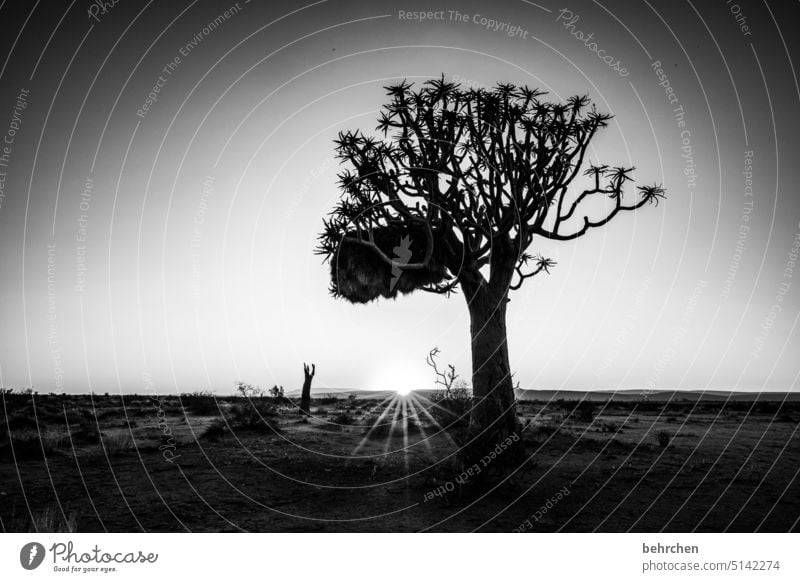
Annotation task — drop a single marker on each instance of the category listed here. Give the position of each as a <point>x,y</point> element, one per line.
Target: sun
<point>399,376</point>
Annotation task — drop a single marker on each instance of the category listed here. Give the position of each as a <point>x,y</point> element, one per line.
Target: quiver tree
<point>453,193</point>
<point>305,395</point>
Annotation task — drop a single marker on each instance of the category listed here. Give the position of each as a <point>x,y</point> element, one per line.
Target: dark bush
<point>541,430</point>
<point>610,426</point>
<point>216,430</point>
<point>585,411</point>
<point>87,431</point>
<point>252,413</point>
<point>21,421</point>
<point>29,447</point>
<point>451,409</point>
<point>342,418</point>
<point>326,400</point>
<point>200,403</point>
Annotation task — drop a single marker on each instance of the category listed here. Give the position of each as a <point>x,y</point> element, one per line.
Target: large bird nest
<point>360,274</point>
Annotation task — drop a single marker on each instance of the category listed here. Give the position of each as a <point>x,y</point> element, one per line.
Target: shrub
<point>48,521</point>
<point>342,419</point>
<point>30,447</point>
<point>663,438</point>
<point>610,426</point>
<point>254,413</point>
<point>541,430</point>
<point>249,391</point>
<point>21,421</point>
<point>253,392</point>
<point>214,431</point>
<point>451,409</point>
<point>86,432</point>
<point>585,411</point>
<point>107,413</point>
<point>119,442</point>
<point>200,403</point>
<point>326,400</point>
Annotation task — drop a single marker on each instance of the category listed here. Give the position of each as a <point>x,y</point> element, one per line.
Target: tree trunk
<point>494,407</point>
<point>494,415</point>
<point>305,395</point>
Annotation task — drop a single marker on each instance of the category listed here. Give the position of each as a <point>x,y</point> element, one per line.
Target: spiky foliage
<point>476,174</point>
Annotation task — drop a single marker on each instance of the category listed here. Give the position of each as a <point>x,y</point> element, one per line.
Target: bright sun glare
<point>399,377</point>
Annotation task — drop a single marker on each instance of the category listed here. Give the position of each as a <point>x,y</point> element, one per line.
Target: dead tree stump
<point>305,396</point>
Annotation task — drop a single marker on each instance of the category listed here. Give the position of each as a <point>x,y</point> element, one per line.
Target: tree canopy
<point>470,177</point>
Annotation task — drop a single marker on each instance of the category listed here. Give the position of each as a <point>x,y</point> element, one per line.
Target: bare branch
<point>445,378</point>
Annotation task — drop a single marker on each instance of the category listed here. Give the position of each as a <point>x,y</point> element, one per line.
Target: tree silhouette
<point>454,194</point>
<point>305,394</point>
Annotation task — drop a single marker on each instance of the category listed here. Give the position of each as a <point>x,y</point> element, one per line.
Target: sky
<point>166,168</point>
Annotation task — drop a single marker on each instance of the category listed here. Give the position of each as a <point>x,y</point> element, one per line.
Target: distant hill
<point>345,393</point>
<point>590,395</point>
<point>658,395</point>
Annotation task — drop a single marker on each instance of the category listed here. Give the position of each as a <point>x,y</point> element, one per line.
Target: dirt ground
<point>87,464</point>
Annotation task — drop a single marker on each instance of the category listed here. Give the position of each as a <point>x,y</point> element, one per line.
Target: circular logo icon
<point>31,555</point>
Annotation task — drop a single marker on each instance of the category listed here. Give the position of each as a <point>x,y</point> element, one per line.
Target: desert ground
<point>196,462</point>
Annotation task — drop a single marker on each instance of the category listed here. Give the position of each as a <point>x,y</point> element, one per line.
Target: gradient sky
<point>197,267</point>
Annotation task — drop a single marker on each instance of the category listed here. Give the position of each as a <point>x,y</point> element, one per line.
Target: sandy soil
<point>158,465</point>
